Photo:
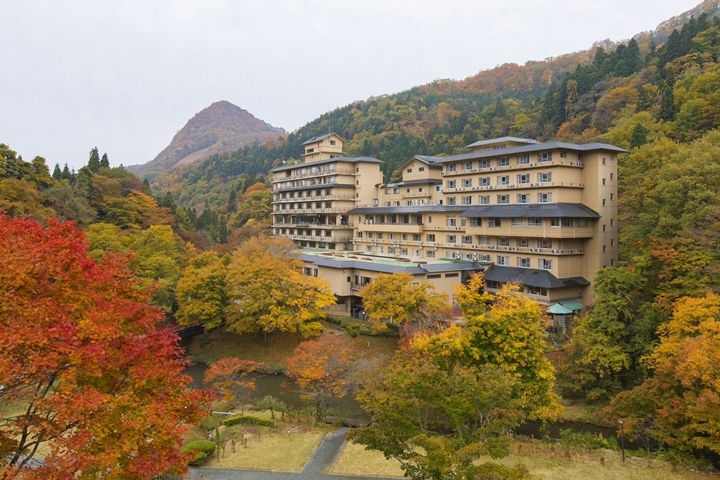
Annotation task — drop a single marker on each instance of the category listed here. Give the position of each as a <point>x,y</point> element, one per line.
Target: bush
<point>367,331</point>
<point>210,423</point>
<point>202,450</point>
<point>272,369</point>
<point>334,320</point>
<point>352,329</point>
<point>392,326</point>
<point>588,441</point>
<point>248,420</point>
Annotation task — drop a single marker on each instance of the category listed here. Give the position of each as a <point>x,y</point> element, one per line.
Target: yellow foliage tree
<point>268,291</point>
<point>397,299</point>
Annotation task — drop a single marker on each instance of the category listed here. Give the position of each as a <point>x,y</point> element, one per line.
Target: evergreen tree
<point>146,187</point>
<point>232,201</point>
<point>104,162</point>
<point>94,160</point>
<point>57,173</point>
<point>667,102</point>
<point>639,136</point>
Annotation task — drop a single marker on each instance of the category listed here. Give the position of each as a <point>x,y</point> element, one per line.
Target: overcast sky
<point>126,75</point>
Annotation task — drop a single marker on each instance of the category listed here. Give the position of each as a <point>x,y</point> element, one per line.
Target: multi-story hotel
<point>542,215</point>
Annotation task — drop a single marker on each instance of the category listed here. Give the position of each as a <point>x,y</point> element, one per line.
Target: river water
<point>284,388</point>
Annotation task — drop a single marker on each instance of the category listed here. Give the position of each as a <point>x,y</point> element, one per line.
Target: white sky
<point>126,75</point>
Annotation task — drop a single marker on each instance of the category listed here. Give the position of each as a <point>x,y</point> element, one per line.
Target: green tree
<point>94,160</point>
<point>104,162</point>
<point>437,420</point>
<point>639,136</point>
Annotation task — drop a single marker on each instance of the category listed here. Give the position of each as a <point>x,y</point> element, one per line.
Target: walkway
<point>321,462</point>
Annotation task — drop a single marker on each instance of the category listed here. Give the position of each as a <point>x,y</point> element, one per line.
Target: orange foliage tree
<point>228,376</point>
<point>322,368</point>
<point>98,389</point>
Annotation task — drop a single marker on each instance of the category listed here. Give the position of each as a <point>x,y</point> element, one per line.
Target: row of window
<point>503,199</point>
<point>318,193</point>
<point>500,180</point>
<point>523,159</point>
<point>301,206</point>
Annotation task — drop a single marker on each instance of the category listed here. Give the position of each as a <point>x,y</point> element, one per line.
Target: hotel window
<point>430,254</point>
<point>534,222</point>
<point>503,180</point>
<point>421,189</point>
<point>493,284</point>
<point>484,199</point>
<point>451,221</point>
<point>567,222</point>
<point>475,222</point>
<point>450,238</point>
<point>523,262</point>
<point>503,260</point>
<point>484,164</point>
<point>450,167</point>
<point>332,142</point>
<point>421,169</point>
<point>544,243</point>
<point>612,222</point>
<point>582,222</point>
<point>379,236</point>
<point>523,159</point>
<point>466,239</point>
<point>467,166</point>
<point>396,190</point>
<point>545,264</point>
<point>467,182</point>
<point>438,188</point>
<point>484,240</point>
<point>523,198</point>
<point>409,170</point>
<point>416,237</point>
<point>430,237</point>
<point>503,199</point>
<point>523,243</point>
<point>467,200</point>
<point>503,242</point>
<point>450,184</point>
<point>544,197</point>
<point>433,275</point>
<point>524,178</point>
<point>451,201</point>
<point>408,190</point>
<point>504,162</point>
<point>484,258</point>
<point>484,182</point>
<point>563,154</point>
<point>517,222</point>
<point>545,177</point>
<point>544,157</point>
<point>494,222</point>
<point>537,291</point>
<point>369,235</point>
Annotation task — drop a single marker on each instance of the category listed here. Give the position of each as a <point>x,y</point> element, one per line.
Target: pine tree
<point>94,160</point>
<point>57,173</point>
<point>146,187</point>
<point>639,136</point>
<point>232,201</point>
<point>104,162</point>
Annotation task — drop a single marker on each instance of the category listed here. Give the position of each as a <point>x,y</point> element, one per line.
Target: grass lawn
<point>541,460</point>
<point>286,449</point>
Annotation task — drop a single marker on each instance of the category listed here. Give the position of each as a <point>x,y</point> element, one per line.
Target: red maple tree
<point>89,384</point>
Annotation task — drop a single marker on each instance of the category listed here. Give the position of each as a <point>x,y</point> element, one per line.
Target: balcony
<point>392,227</point>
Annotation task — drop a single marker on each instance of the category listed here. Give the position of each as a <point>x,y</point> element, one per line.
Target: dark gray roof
<point>428,160</point>
<point>538,147</point>
<point>531,277</point>
<point>323,137</point>
<point>414,268</point>
<point>406,209</point>
<point>534,210</point>
<point>492,141</point>
<point>328,160</point>
<point>426,181</point>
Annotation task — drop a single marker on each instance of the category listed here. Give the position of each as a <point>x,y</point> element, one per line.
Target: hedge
<point>202,449</point>
<point>248,420</point>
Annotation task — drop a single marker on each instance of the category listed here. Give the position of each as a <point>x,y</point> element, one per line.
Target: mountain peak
<point>218,128</point>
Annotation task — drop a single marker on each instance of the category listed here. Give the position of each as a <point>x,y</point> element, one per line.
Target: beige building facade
<point>543,215</point>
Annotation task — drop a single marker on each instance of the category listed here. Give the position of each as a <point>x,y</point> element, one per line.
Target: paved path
<point>316,469</point>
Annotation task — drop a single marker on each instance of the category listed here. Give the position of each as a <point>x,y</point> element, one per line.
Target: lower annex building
<point>541,215</point>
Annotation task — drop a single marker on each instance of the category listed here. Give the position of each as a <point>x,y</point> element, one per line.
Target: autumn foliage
<point>96,388</point>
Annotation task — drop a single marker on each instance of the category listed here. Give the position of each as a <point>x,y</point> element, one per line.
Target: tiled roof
<point>322,137</point>
<point>531,277</point>
<point>534,210</point>
<point>328,160</point>
<point>538,147</point>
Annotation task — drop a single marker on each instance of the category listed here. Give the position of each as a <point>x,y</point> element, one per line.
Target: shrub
<point>210,423</point>
<point>588,441</point>
<point>272,369</point>
<point>202,450</point>
<point>352,329</point>
<point>392,326</point>
<point>248,420</point>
